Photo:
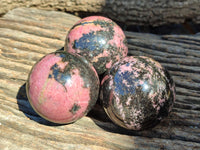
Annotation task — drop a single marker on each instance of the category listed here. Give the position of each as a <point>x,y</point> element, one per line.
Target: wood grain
<point>134,12</point>
<point>28,34</point>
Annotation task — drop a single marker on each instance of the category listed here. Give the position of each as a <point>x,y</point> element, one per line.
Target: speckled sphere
<point>99,39</point>
<point>62,87</point>
<point>137,93</point>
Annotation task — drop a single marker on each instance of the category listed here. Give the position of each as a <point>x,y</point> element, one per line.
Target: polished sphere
<point>99,39</point>
<point>62,87</point>
<point>137,93</point>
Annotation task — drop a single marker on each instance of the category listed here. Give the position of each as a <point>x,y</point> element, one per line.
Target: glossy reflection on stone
<point>137,93</point>
<point>98,39</point>
<point>62,87</point>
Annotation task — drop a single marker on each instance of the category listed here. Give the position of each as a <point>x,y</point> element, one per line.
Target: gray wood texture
<point>28,34</point>
<point>129,12</point>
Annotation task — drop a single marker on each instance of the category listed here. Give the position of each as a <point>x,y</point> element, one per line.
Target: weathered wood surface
<point>28,34</point>
<point>130,12</point>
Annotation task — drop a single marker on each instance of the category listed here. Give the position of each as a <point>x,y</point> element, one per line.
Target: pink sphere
<point>99,39</point>
<point>62,87</point>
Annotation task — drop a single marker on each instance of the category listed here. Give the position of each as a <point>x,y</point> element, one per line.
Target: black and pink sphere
<point>62,87</point>
<point>98,39</point>
<point>137,93</point>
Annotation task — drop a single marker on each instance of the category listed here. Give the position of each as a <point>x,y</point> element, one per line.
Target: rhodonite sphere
<point>137,93</point>
<point>62,87</point>
<point>99,39</point>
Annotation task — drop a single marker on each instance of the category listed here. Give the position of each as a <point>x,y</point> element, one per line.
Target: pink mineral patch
<point>92,18</point>
<point>109,64</point>
<point>39,75</point>
<point>124,68</point>
<point>104,79</point>
<point>104,54</point>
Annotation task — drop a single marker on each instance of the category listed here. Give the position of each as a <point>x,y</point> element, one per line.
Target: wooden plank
<point>137,12</point>
<point>24,39</point>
